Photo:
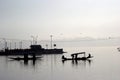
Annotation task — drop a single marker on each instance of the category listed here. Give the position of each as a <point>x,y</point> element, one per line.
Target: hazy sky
<point>61,18</point>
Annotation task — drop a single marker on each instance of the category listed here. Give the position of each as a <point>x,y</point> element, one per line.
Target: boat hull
<point>82,58</point>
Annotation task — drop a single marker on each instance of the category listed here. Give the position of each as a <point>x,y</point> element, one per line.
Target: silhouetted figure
<point>63,57</point>
<point>89,56</point>
<point>54,45</point>
<point>76,56</point>
<point>72,56</point>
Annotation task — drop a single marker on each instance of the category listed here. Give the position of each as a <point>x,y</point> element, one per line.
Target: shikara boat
<point>75,56</point>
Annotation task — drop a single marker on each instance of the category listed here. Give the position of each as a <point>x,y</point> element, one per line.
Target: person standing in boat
<point>89,55</point>
<point>63,57</point>
<point>72,56</point>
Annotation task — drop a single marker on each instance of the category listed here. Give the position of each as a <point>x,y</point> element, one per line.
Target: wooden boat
<point>75,56</point>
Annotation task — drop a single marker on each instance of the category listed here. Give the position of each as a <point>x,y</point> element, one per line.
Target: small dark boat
<point>118,49</point>
<point>75,56</point>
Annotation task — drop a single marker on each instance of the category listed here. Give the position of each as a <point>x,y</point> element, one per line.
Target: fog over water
<point>12,43</point>
<point>92,26</point>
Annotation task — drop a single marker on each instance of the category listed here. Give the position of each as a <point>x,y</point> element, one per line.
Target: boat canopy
<point>78,53</point>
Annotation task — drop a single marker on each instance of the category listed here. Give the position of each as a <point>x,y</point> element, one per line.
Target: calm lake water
<point>105,65</point>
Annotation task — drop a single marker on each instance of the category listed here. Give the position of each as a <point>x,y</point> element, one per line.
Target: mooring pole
<point>51,40</point>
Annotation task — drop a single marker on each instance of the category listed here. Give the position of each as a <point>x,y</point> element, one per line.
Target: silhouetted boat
<point>75,56</point>
<point>118,49</point>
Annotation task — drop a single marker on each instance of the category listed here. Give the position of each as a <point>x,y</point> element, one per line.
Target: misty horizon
<point>62,19</point>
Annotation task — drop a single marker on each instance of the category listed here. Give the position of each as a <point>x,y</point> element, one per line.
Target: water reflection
<point>104,66</point>
<point>46,59</point>
<point>26,62</point>
<point>50,62</point>
<point>79,62</point>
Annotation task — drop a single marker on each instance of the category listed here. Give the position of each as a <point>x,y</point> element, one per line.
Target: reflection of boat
<point>75,56</point>
<point>79,62</point>
<point>26,57</point>
<point>22,58</point>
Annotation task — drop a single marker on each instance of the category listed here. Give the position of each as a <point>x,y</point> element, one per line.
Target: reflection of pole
<point>51,40</point>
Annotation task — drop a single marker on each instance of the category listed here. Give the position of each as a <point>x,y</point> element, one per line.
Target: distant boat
<point>75,56</point>
<point>118,49</point>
